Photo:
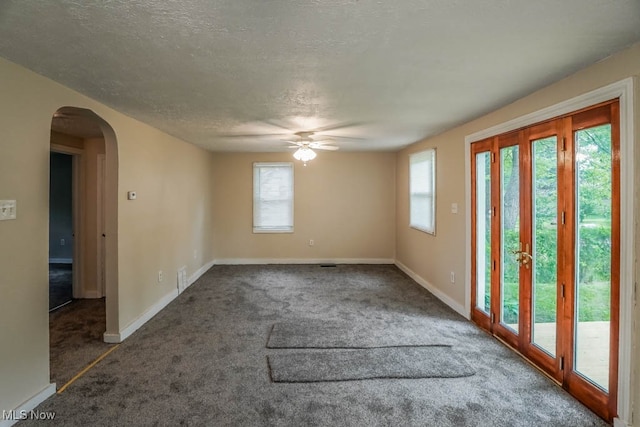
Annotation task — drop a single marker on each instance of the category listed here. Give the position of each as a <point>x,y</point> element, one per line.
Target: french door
<point>546,248</point>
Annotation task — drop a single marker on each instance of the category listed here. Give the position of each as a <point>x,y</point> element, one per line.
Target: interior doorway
<point>83,211</point>
<point>61,231</point>
<point>546,248</point>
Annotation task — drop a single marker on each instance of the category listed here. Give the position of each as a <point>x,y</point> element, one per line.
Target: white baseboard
<point>146,316</point>
<point>111,338</point>
<point>617,422</point>
<point>154,309</point>
<point>195,276</point>
<point>260,261</point>
<point>93,294</point>
<point>435,291</point>
<point>26,407</point>
<point>60,261</point>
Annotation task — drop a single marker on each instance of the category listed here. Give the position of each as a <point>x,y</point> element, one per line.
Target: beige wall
<point>432,258</point>
<point>167,227</point>
<point>343,201</point>
<point>169,224</point>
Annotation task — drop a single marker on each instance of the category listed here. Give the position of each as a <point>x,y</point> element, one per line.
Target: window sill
<point>424,230</point>
<point>275,231</point>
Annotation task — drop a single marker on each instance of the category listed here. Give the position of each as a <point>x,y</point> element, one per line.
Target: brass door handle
<point>523,257</point>
<point>518,255</point>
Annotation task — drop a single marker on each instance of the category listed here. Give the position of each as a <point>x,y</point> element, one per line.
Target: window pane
<point>593,254</point>
<point>483,231</point>
<point>273,197</point>
<point>545,243</point>
<point>422,190</point>
<point>510,235</point>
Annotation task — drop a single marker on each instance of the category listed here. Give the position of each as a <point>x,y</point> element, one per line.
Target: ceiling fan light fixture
<point>304,154</point>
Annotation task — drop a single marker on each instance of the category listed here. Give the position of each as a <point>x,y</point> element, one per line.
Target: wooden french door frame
<point>560,367</point>
<point>478,315</point>
<point>507,334</point>
<point>605,404</point>
<point>549,363</point>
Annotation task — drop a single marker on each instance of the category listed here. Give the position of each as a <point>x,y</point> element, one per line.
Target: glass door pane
<point>544,243</point>
<point>510,236</point>
<point>483,231</point>
<point>593,254</point>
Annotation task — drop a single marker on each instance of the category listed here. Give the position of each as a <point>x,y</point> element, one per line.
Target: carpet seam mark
<point>269,335</point>
<point>359,348</point>
<point>270,370</point>
<point>86,369</point>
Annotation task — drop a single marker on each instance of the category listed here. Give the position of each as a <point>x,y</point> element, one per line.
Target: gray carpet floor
<point>202,361</point>
<point>302,333</point>
<point>75,338</point>
<point>367,363</point>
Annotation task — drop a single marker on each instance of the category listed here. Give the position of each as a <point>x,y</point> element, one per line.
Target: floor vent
<point>182,279</point>
<point>328,265</point>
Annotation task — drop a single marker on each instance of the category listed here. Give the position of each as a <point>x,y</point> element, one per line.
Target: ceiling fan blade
<point>326,147</point>
<point>339,126</point>
<point>295,144</point>
<point>345,137</point>
<point>249,135</point>
<point>323,140</point>
<point>274,123</point>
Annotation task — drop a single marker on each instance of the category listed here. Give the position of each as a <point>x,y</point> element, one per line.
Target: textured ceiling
<point>379,74</point>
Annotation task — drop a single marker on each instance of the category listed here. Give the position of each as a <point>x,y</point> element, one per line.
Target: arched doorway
<point>87,145</point>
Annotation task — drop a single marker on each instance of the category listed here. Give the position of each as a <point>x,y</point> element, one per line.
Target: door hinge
<point>564,217</point>
<point>562,363</point>
<point>562,291</point>
<point>564,143</point>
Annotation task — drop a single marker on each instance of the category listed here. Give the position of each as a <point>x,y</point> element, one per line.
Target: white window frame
<point>428,155</point>
<point>257,166</point>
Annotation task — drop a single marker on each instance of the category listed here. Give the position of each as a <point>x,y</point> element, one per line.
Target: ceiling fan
<point>305,145</point>
<point>305,141</point>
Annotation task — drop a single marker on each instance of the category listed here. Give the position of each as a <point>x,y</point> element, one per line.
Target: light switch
<point>131,195</point>
<point>454,208</point>
<point>7,209</point>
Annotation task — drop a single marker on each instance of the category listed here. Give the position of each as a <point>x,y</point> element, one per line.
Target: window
<point>422,186</point>
<point>273,197</point>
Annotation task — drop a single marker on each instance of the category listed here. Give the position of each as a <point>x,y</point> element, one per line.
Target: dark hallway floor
<point>75,337</point>
<point>60,285</point>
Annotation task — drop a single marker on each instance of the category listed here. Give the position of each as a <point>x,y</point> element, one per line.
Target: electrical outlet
<point>7,209</point>
<point>195,254</point>
<point>62,242</point>
<point>160,276</point>
<point>311,242</point>
<point>453,277</point>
